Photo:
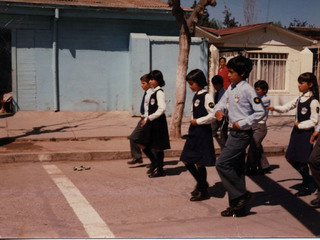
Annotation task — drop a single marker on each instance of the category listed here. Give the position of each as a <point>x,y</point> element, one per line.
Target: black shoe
<point>134,161</point>
<point>303,191</point>
<point>243,200</point>
<point>157,173</point>
<point>265,170</point>
<point>151,170</point>
<point>195,191</point>
<point>315,202</point>
<point>230,212</point>
<point>200,196</point>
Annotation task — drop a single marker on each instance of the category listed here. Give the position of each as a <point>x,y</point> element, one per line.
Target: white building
<point>279,56</point>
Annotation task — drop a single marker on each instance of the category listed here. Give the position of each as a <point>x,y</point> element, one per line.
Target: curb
<point>100,155</point>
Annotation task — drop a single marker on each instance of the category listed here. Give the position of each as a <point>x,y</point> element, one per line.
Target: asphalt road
<point>115,200</point>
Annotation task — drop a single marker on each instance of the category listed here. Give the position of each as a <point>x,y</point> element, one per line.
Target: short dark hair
<point>217,79</point>
<point>145,78</point>
<point>261,84</point>
<point>222,58</point>
<point>240,65</point>
<point>198,77</point>
<point>157,75</point>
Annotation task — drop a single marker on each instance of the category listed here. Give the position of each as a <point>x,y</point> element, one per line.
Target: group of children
<point>240,112</point>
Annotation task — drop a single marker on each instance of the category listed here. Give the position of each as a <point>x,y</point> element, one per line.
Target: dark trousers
<point>256,158</point>
<point>134,148</point>
<point>231,163</point>
<point>314,163</point>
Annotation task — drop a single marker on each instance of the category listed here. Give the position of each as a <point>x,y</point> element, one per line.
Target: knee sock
<point>203,179</point>
<point>194,172</point>
<point>160,158</point>
<point>150,155</point>
<point>306,178</point>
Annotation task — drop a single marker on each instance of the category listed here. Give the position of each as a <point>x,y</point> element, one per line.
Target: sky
<point>284,11</point>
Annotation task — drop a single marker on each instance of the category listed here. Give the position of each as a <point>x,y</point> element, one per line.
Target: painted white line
<point>92,222</point>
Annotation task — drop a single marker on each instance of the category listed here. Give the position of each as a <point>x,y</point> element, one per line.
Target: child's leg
<point>230,167</point>
<point>158,164</point>
<point>149,153</point>
<point>264,164</point>
<point>134,148</point>
<point>306,187</point>
<point>200,174</point>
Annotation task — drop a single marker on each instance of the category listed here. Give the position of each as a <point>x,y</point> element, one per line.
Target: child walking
<point>245,109</point>
<point>257,162</point>
<point>307,117</point>
<point>198,151</point>
<point>155,134</point>
<point>217,82</point>
<point>135,150</point>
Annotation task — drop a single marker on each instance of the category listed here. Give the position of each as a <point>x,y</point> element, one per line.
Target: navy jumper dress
<point>199,148</point>
<point>300,148</point>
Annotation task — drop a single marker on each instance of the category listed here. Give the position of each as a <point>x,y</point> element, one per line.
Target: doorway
<point>5,71</point>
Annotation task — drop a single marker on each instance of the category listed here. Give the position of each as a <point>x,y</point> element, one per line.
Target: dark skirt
<point>159,133</point>
<point>155,134</point>
<point>299,148</point>
<point>199,148</point>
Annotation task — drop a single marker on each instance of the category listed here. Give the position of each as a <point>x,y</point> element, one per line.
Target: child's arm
<point>220,107</point>
<point>208,104</point>
<point>255,113</point>
<point>315,135</point>
<point>286,107</point>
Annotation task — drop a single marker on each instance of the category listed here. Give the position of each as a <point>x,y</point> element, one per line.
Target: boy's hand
<point>296,124</point>
<point>236,126</point>
<point>193,122</point>
<point>219,115</point>
<point>314,137</point>
<point>270,108</point>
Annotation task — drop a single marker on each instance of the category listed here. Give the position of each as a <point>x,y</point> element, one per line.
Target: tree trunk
<point>183,59</point>
<point>186,30</point>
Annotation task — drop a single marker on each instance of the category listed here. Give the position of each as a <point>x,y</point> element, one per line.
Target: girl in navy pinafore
<point>155,134</point>
<point>307,118</point>
<point>198,151</point>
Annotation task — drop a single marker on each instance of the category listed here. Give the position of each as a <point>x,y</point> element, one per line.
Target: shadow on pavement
<point>275,194</point>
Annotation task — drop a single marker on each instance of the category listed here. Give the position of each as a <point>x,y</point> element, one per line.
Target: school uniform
<point>199,148</point>
<point>256,158</point>
<point>135,150</point>
<point>159,134</point>
<point>299,148</point>
<point>244,107</point>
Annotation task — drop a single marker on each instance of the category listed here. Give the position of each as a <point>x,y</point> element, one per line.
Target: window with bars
<point>270,67</point>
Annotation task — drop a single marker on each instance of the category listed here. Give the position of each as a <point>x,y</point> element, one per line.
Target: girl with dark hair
<point>198,151</point>
<point>307,118</point>
<point>155,135</point>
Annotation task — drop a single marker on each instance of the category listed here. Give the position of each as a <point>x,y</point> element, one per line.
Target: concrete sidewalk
<point>69,135</point>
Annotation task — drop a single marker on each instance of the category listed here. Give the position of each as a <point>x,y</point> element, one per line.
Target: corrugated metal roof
<point>228,31</point>
<point>147,4</point>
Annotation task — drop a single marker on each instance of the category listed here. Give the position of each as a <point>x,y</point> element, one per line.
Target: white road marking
<point>92,222</point>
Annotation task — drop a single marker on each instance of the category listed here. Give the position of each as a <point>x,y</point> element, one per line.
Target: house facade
<point>89,55</point>
<point>279,56</point>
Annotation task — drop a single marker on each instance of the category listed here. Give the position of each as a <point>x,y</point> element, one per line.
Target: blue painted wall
<point>101,57</point>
